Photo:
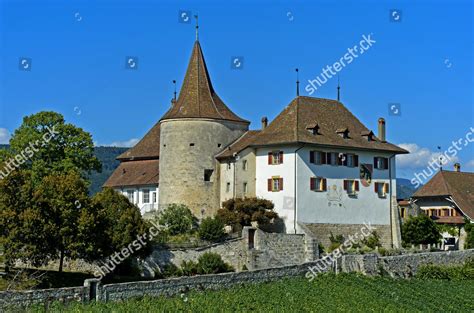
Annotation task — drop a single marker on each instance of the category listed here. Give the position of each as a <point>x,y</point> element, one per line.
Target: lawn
<point>328,293</point>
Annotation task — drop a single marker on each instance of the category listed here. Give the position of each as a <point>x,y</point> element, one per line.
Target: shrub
<point>469,227</point>
<point>171,270</point>
<point>189,268</point>
<point>178,219</point>
<point>372,241</point>
<point>212,263</point>
<point>244,211</point>
<point>211,229</point>
<point>420,229</point>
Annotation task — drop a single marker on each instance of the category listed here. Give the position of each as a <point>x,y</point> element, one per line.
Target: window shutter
<point>281,183</point>
<point>339,159</point>
<point>375,162</point>
<point>312,182</point>
<point>356,160</point>
<point>345,156</point>
<point>325,186</point>
<point>385,163</point>
<point>311,157</point>
<point>376,187</point>
<point>356,185</point>
<point>324,158</point>
<point>328,157</point>
<point>387,188</point>
<point>345,184</point>
<point>281,157</point>
<point>270,183</point>
<point>270,158</point>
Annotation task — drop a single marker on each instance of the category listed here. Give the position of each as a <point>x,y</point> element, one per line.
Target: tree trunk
<point>61,260</point>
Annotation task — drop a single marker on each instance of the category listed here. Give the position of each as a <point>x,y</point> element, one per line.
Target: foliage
<point>244,211</point>
<point>336,241</point>
<point>469,228</point>
<point>347,293</point>
<point>444,228</point>
<point>212,263</point>
<point>178,219</point>
<point>66,148</point>
<point>171,270</point>
<point>372,241</point>
<point>189,268</point>
<point>447,272</point>
<point>420,229</point>
<point>211,229</point>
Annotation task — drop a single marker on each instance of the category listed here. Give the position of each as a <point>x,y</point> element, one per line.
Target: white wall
<point>334,206</point>
<point>138,197</point>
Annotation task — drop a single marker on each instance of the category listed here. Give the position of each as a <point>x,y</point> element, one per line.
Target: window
<point>245,188</point>
<point>350,160</point>
<point>333,158</point>
<point>351,186</point>
<point>130,195</point>
<point>381,163</point>
<point>381,189</point>
<point>244,165</point>
<point>275,184</point>
<point>146,196</point>
<point>228,166</point>
<point>227,187</point>
<point>153,197</point>
<point>318,184</point>
<point>208,175</point>
<point>191,144</point>
<point>275,157</point>
<point>317,157</point>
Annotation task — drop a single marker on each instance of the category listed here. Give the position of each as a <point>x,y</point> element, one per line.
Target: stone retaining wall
<point>9,299</point>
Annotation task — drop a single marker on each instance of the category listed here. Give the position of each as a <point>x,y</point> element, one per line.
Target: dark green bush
<point>212,263</point>
<point>171,270</point>
<point>420,229</point>
<point>189,268</point>
<point>372,241</point>
<point>447,272</point>
<point>211,229</point>
<point>178,219</point>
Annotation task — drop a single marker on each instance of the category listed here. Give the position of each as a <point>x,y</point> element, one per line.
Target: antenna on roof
<point>338,89</point>
<point>297,82</point>
<point>197,27</point>
<point>174,83</point>
<point>440,159</point>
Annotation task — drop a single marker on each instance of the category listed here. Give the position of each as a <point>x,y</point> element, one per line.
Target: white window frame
<point>146,196</point>
<point>275,184</point>
<point>131,196</point>
<point>276,158</point>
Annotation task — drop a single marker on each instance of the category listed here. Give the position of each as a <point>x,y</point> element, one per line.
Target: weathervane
<point>197,27</point>
<point>174,83</point>
<point>338,89</point>
<point>297,82</point>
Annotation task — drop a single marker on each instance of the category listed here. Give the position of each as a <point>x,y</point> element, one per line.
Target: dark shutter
<point>385,163</point>
<point>324,158</point>
<point>345,156</point>
<point>270,183</point>
<point>345,184</point>
<point>281,183</point>
<point>356,160</point>
<point>387,188</point>
<point>375,162</point>
<point>376,187</point>
<point>328,157</point>
<point>325,184</point>
<point>339,159</point>
<point>270,158</point>
<point>311,157</point>
<point>312,183</point>
<point>356,185</point>
<point>281,157</point>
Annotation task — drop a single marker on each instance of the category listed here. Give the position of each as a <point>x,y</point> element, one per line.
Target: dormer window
<point>368,134</point>
<point>313,128</point>
<point>343,132</point>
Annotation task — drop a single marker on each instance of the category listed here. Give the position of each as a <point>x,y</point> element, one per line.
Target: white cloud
<point>128,143</point>
<point>4,136</point>
<point>420,157</point>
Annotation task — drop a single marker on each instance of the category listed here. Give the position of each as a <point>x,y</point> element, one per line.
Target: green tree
<point>178,219</point>
<point>47,144</point>
<point>469,228</point>
<point>420,229</point>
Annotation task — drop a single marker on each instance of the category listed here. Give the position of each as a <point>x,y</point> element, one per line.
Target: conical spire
<point>197,98</point>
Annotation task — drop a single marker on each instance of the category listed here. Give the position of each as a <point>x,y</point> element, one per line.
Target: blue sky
<point>78,50</point>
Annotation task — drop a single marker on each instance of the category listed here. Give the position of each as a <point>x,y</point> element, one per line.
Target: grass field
<point>345,292</point>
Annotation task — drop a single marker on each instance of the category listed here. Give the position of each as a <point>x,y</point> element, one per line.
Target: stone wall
<point>9,299</point>
<point>322,232</point>
<point>268,250</point>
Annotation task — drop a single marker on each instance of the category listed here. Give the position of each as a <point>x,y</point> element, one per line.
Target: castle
<point>323,169</point>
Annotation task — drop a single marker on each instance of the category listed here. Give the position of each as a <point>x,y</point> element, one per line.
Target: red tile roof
<point>134,173</point>
<point>458,185</point>
<point>147,148</point>
<point>238,145</point>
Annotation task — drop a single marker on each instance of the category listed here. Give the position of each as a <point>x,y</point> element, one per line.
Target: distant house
<point>448,198</point>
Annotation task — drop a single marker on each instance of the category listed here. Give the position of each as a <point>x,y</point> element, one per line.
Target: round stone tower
<point>193,131</point>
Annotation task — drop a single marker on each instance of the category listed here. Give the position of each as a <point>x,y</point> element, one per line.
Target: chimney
<point>381,129</point>
<point>264,122</point>
<point>457,167</point>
